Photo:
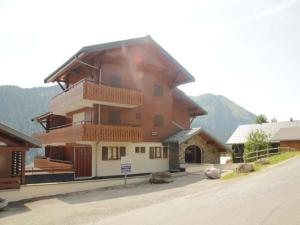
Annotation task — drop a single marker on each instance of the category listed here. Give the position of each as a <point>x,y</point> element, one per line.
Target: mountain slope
<point>20,105</point>
<point>223,115</point>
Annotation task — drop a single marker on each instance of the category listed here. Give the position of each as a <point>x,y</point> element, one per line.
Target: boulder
<point>160,178</point>
<point>263,161</point>
<point>245,168</point>
<point>3,203</point>
<point>212,173</point>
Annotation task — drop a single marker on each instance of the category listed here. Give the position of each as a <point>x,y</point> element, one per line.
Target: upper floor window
<point>114,117</point>
<point>158,90</point>
<point>158,121</point>
<point>113,152</point>
<point>115,81</point>
<point>138,116</point>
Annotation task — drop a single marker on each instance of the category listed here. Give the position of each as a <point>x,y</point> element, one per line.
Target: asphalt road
<point>269,197</point>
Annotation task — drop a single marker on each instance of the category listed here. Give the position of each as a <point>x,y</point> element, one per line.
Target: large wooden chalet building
<point>121,99</point>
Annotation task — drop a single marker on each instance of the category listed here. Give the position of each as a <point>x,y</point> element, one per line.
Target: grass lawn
<point>273,160</point>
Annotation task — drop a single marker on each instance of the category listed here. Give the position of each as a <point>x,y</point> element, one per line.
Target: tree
<point>256,140</point>
<point>274,120</point>
<point>261,118</point>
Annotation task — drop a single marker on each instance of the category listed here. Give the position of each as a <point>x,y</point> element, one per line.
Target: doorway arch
<point>193,154</point>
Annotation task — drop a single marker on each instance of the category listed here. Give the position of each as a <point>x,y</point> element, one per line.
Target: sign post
<point>125,166</point>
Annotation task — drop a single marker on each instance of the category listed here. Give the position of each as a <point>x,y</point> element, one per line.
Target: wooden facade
<point>118,92</point>
<point>13,147</point>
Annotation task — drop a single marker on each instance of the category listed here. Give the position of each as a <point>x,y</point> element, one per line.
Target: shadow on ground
<point>103,194</point>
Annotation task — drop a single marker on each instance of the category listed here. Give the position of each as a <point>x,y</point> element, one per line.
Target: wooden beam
<point>176,76</point>
<point>61,86</point>
<point>8,141</point>
<point>86,64</point>
<point>17,148</point>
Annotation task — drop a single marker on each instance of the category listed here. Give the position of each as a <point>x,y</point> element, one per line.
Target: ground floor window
<point>158,152</point>
<point>113,152</point>
<point>140,149</point>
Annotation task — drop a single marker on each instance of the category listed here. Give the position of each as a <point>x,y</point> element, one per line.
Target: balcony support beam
<point>61,86</point>
<point>86,64</point>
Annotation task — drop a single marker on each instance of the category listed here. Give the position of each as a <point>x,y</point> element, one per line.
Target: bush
<point>256,140</point>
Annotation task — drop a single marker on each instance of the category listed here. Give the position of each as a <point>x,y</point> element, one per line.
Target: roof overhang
<point>85,51</point>
<point>194,108</point>
<point>185,135</point>
<point>13,134</point>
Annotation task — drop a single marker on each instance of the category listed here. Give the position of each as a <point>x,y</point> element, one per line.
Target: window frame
<point>114,120</point>
<point>140,149</point>
<point>159,120</point>
<point>158,90</point>
<point>115,80</point>
<point>110,153</point>
<point>156,152</point>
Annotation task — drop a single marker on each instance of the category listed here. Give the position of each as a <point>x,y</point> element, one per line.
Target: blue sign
<point>125,168</point>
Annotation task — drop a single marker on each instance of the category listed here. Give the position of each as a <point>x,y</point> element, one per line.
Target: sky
<point>246,50</point>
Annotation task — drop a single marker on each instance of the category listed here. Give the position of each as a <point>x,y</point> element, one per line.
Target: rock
<point>212,173</point>
<point>160,178</point>
<point>3,204</point>
<point>263,161</point>
<point>245,168</point>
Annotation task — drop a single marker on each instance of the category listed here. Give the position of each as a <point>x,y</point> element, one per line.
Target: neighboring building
<point>13,147</point>
<point>281,134</point>
<point>118,99</point>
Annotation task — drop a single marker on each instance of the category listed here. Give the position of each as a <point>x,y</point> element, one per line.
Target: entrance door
<point>83,162</point>
<point>193,154</point>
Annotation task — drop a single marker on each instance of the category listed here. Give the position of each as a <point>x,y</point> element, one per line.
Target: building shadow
<point>102,194</point>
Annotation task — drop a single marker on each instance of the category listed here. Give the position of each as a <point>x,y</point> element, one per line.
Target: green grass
<point>273,160</point>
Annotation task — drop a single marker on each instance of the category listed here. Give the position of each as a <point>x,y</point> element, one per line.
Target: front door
<point>193,154</point>
<point>83,162</point>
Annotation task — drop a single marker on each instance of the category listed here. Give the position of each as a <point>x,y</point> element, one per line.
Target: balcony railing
<point>92,132</point>
<point>75,96</point>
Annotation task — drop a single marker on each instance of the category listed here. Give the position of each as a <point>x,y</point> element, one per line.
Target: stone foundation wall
<point>210,154</point>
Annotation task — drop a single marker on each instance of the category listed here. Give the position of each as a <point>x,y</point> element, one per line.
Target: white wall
<point>140,162</point>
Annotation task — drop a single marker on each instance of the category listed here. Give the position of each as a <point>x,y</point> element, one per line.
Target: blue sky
<point>246,50</point>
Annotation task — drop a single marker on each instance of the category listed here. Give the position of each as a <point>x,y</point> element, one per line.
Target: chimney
<point>291,119</point>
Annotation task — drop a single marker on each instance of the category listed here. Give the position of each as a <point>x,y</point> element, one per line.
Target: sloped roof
<point>196,109</point>
<point>118,44</point>
<point>14,134</point>
<point>184,135</point>
<point>241,133</point>
<point>287,134</point>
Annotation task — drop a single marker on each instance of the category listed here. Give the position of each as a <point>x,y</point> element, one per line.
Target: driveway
<point>269,197</point>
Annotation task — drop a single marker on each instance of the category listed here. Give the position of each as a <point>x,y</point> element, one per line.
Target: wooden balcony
<point>92,132</point>
<point>85,94</point>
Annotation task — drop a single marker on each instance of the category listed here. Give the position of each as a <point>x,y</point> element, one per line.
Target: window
<point>158,90</point>
<point>113,152</point>
<point>165,152</point>
<point>138,116</point>
<point>140,149</point>
<point>155,153</point>
<point>114,117</point>
<point>115,81</point>
<point>158,121</point>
